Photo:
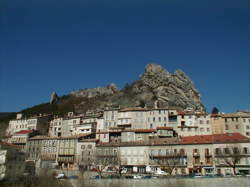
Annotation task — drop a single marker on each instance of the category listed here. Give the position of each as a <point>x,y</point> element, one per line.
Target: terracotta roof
<point>59,138</point>
<point>186,113</point>
<point>42,138</point>
<point>24,132</point>
<point>133,109</point>
<point>215,115</point>
<point>215,138</point>
<point>234,115</point>
<point>10,144</point>
<point>89,140</point>
<point>103,132</point>
<point>164,128</point>
<point>140,130</point>
<point>187,127</point>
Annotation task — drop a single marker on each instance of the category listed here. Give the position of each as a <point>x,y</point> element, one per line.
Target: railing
<point>208,155</point>
<point>196,154</point>
<point>172,155</point>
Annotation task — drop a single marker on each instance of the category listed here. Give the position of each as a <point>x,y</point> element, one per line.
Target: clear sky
<point>62,45</point>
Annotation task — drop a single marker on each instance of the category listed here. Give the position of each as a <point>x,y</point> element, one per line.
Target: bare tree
<point>169,159</point>
<point>230,156</point>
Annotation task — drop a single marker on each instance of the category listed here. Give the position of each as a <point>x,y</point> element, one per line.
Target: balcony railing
<point>196,154</point>
<point>208,155</point>
<point>173,155</point>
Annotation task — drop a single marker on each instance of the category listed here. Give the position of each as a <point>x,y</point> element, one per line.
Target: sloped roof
<point>164,128</point>
<point>215,138</point>
<point>24,132</point>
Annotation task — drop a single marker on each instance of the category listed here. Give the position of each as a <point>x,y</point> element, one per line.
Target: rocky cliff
<point>156,87</point>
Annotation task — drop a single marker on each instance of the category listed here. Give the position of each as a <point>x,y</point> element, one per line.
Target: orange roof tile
<point>215,138</point>
<point>24,132</point>
<point>164,128</point>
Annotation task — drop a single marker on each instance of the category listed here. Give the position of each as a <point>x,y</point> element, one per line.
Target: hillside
<point>155,87</point>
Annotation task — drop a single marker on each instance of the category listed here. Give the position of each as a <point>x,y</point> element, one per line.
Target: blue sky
<point>61,46</point>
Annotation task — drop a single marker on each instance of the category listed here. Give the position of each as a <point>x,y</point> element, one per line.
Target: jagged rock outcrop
<point>99,91</point>
<point>53,98</point>
<point>167,89</point>
<point>156,87</point>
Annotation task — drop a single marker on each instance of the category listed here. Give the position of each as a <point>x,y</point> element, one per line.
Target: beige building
<point>55,129</point>
<point>230,123</point>
<point>191,124</point>
<point>39,123</point>
<point>181,156</point>
<point>85,153</point>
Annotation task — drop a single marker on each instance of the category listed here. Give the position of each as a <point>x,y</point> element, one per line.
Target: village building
<point>12,161</point>
<point>85,153</point>
<point>20,138</point>
<point>180,156</point>
<point>230,123</point>
<point>39,123</point>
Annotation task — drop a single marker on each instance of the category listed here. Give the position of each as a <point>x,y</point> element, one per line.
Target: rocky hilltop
<point>156,87</point>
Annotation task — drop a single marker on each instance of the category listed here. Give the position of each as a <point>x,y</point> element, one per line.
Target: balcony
<point>209,163</point>
<point>172,155</point>
<point>196,154</point>
<point>208,155</point>
<point>124,125</point>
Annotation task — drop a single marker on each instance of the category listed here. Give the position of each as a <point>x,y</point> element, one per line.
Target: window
<point>153,119</point>
<point>247,126</point>
<point>159,118</point>
<point>165,119</point>
<point>201,121</point>
<point>227,127</point>
<point>247,133</point>
<point>237,126</point>
<point>226,150</point>
<point>151,126</point>
<point>89,146</point>
<point>217,151</point>
<point>207,121</point>
<point>183,123</point>
<point>225,119</point>
<point>207,151</point>
<point>245,150</point>
<point>208,129</point>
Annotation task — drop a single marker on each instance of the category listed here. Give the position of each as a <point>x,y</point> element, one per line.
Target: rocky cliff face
<point>94,92</point>
<point>156,87</point>
<point>165,89</point>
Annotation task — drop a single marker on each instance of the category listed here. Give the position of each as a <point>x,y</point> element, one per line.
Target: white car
<point>137,177</point>
<point>160,172</point>
<point>60,176</point>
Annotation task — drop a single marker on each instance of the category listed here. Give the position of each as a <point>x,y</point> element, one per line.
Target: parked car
<point>60,176</point>
<point>124,170</point>
<point>197,175</point>
<point>160,172</point>
<point>137,177</point>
